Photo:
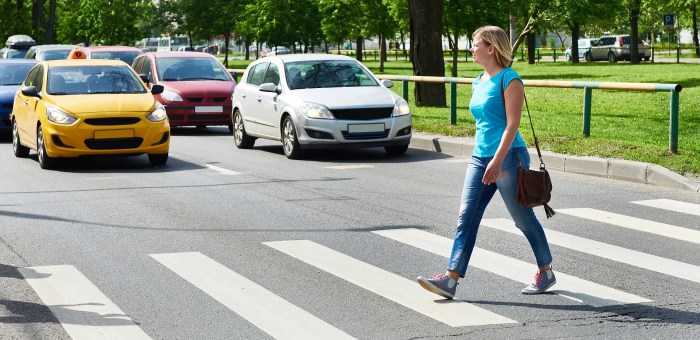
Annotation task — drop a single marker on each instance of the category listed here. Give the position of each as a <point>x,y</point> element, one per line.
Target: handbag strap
<point>537,144</point>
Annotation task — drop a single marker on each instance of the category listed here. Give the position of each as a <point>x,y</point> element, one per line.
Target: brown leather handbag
<point>534,186</point>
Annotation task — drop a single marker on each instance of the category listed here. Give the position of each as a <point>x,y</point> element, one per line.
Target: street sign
<point>669,21</point>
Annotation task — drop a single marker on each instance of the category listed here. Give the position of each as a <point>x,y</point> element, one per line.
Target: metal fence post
<point>678,54</point>
<point>673,128</point>
<point>587,93</point>
<point>453,103</point>
<point>405,90</point>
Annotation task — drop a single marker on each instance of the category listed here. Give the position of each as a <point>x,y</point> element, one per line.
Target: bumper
<point>84,140</point>
<point>324,133</point>
<point>188,115</point>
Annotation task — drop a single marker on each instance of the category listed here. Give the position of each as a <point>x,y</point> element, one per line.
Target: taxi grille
<point>113,143</point>
<point>363,114</point>
<point>112,121</point>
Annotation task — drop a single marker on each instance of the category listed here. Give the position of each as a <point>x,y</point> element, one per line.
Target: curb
<point>618,169</point>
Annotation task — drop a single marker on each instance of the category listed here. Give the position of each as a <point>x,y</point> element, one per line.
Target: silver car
<point>311,101</point>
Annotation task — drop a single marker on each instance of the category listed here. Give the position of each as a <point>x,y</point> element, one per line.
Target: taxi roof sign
<point>77,53</point>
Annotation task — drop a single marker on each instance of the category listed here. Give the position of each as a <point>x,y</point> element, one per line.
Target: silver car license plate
<point>358,128</point>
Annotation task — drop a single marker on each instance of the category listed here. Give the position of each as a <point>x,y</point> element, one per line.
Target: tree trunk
<point>38,20</point>
<point>694,10</point>
<point>426,50</point>
<point>531,40</point>
<point>634,32</point>
<point>51,23</point>
<point>575,32</point>
<point>247,50</point>
<point>226,42</point>
<point>358,48</point>
<point>382,52</point>
<point>455,55</point>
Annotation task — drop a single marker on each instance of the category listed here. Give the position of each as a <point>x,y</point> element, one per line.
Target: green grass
<point>624,124</point>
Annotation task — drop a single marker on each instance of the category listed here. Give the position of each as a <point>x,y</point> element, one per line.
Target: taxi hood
<point>112,103</point>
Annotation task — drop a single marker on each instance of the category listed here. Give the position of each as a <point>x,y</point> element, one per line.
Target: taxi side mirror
<point>144,78</point>
<point>30,91</point>
<point>157,89</point>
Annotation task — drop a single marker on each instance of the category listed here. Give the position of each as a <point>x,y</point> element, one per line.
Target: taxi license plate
<point>123,133</point>
<point>359,128</point>
<point>208,109</point>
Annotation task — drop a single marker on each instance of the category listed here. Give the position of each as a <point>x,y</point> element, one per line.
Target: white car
<point>311,101</point>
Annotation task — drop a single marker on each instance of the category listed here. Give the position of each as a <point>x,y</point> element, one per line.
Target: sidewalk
<point>619,169</point>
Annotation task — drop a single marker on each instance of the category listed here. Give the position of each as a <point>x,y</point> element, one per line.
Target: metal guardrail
<point>587,86</point>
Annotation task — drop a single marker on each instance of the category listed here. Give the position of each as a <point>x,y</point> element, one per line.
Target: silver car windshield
<point>69,80</point>
<point>327,73</point>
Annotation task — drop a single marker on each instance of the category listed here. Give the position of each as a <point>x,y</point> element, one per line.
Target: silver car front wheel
<point>290,143</point>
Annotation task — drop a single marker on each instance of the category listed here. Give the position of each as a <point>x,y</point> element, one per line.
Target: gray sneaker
<point>440,284</point>
<point>543,281</point>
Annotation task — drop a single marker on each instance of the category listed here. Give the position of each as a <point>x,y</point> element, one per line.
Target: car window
<point>147,69</point>
<point>606,41</point>
<point>272,75</point>
<point>125,56</point>
<point>90,79</point>
<point>190,68</point>
<point>138,64</point>
<point>53,55</point>
<point>29,80</point>
<point>13,74</point>
<point>255,76</point>
<point>38,79</point>
<point>327,73</point>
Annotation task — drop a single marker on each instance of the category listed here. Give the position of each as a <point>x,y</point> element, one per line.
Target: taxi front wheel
<point>157,158</point>
<point>45,161</point>
<point>17,147</point>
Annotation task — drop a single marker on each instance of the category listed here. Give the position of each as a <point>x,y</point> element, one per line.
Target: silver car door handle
<point>243,95</point>
<point>259,99</point>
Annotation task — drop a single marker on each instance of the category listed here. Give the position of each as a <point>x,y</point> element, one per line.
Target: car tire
<point>45,161</point>
<point>611,57</point>
<point>158,159</point>
<point>588,57</point>
<point>17,148</point>
<point>396,150</point>
<point>646,58</point>
<point>240,137</point>
<point>290,142</point>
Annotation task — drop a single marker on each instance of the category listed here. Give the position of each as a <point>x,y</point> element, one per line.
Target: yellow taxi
<point>79,107</point>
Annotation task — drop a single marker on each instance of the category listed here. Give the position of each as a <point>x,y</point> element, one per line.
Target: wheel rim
<point>238,128</point>
<point>15,137</point>
<point>40,146</point>
<point>288,136</point>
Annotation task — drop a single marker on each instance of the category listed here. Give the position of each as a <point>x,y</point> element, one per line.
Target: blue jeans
<point>476,196</point>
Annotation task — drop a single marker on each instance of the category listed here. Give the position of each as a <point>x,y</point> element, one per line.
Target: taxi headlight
<point>55,115</point>
<point>318,111</point>
<point>171,96</point>
<point>158,114</point>
<point>401,108</point>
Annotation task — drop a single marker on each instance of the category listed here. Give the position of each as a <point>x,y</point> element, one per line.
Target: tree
<point>383,25</point>
<point>634,33</point>
<point>102,21</point>
<point>340,20</point>
<point>426,50</point>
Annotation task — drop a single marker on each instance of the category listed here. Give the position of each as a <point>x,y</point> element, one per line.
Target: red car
<point>198,87</point>
<point>124,53</point>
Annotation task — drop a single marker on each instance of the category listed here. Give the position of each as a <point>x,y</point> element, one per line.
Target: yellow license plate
<point>123,133</point>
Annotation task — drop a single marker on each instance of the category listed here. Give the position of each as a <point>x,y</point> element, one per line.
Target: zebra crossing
<point>86,313</point>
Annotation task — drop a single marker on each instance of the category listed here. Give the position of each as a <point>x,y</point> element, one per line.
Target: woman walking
<point>496,105</point>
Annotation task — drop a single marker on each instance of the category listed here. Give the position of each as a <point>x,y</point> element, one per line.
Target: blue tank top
<point>487,108</point>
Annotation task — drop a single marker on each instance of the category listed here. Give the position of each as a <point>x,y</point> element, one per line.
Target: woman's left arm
<point>514,97</point>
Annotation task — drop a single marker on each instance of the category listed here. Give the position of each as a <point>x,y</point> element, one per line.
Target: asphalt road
<point>245,244</point>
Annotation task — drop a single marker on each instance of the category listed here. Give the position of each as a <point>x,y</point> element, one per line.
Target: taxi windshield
<point>69,80</point>
<point>189,69</point>
<point>13,74</point>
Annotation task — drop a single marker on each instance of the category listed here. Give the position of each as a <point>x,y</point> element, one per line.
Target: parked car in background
<point>584,45</point>
<point>198,87</point>
<point>49,52</point>
<point>12,73</point>
<point>16,46</point>
<point>71,108</point>
<point>277,50</point>
<point>124,53</point>
<point>617,47</point>
<point>310,101</point>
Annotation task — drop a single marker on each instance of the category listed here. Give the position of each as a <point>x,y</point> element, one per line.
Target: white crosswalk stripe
<point>630,257</point>
<point>388,285</point>
<point>269,312</point>
<point>634,223</point>
<point>672,205</point>
<point>221,170</point>
<point>568,286</point>
<point>83,310</point>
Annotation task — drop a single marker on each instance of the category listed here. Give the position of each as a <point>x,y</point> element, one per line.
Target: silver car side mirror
<point>270,87</point>
<point>387,83</point>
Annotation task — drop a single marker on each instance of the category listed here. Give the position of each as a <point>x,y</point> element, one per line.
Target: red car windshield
<point>190,69</point>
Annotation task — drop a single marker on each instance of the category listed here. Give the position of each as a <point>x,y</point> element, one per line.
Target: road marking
<point>83,310</point>
<point>607,251</point>
<point>267,311</point>
<point>389,285</point>
<point>179,157</point>
<point>634,223</point>
<point>349,167</point>
<point>223,171</point>
<point>572,287</point>
<point>678,206</point>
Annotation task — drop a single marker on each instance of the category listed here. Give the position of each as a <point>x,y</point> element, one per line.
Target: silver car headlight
<point>401,108</point>
<point>55,115</point>
<point>318,111</point>
<point>158,114</point>
<point>171,96</point>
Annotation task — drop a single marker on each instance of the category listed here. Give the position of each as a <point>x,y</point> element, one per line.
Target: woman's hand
<point>493,170</point>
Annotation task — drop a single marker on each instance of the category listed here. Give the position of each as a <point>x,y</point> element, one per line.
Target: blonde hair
<point>496,37</point>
